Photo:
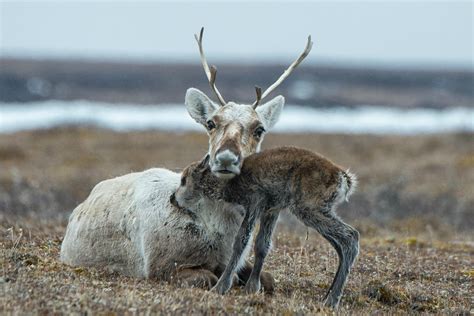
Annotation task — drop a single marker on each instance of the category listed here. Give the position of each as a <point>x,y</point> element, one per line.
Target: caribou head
<point>235,130</point>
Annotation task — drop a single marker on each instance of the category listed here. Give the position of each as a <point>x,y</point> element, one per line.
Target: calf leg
<point>261,249</point>
<point>241,240</point>
<point>345,241</point>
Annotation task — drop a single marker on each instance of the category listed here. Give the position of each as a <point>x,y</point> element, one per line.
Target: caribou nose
<point>227,158</point>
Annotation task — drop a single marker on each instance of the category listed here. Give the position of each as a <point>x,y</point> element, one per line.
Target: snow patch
<point>174,117</point>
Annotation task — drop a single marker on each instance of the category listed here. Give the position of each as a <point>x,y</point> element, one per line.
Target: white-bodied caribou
<point>132,225</point>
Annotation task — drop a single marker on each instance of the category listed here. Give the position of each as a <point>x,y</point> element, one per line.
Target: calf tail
<point>347,185</point>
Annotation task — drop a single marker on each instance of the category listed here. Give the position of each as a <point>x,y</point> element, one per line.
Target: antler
<point>210,73</point>
<point>285,74</point>
<point>258,90</point>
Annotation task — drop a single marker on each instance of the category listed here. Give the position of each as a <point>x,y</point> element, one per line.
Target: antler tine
<point>212,80</point>
<point>206,68</point>
<point>258,90</point>
<point>288,71</point>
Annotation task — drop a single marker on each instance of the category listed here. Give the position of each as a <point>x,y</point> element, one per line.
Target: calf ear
<point>269,113</point>
<point>204,163</point>
<point>199,106</point>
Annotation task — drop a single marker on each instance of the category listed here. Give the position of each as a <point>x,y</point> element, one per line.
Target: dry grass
<point>427,178</point>
<point>392,275</point>
<point>414,209</point>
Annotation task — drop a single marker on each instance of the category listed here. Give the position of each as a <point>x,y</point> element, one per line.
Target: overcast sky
<point>403,32</point>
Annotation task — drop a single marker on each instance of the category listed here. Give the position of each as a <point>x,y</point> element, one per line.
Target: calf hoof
<point>221,287</point>
<point>332,302</point>
<point>197,278</point>
<point>252,286</point>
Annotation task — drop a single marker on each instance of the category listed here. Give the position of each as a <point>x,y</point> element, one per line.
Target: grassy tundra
<point>414,208</point>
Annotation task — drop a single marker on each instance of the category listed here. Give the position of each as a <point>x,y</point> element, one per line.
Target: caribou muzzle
<point>226,164</point>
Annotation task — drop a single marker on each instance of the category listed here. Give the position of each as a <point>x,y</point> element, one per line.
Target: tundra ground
<point>392,275</point>
<point>414,209</point>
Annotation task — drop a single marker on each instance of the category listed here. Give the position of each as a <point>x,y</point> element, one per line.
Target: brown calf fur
<point>305,183</point>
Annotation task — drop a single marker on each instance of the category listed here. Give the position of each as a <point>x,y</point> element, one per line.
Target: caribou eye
<point>210,125</point>
<point>183,181</point>
<point>259,131</point>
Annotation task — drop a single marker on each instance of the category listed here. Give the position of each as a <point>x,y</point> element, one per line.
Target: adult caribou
<point>132,225</point>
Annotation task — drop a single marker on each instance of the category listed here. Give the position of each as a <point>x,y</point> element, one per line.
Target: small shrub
<point>384,294</point>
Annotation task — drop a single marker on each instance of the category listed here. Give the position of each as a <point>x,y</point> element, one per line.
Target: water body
<point>16,117</point>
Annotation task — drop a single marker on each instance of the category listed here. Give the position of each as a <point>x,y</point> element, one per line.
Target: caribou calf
<point>305,183</point>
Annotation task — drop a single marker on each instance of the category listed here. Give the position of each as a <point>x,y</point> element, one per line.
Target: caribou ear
<point>199,106</point>
<point>269,113</point>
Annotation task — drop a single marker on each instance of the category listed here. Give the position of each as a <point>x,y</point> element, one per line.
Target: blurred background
<point>91,90</point>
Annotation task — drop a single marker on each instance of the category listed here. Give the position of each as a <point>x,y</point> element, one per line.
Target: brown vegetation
<point>414,209</point>
<point>390,276</point>
<point>426,178</point>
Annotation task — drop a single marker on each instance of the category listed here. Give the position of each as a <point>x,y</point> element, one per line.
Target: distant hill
<point>35,80</point>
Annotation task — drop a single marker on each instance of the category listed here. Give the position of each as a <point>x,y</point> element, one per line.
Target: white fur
<point>127,224</point>
<point>269,113</point>
<point>199,106</point>
<point>354,181</point>
<point>345,191</point>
